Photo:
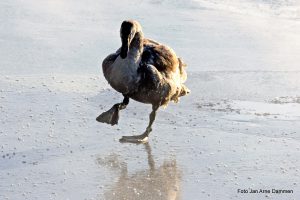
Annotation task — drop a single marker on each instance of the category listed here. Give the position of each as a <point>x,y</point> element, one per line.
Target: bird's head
<point>128,30</point>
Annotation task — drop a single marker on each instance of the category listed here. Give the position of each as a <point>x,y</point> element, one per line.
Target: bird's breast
<point>123,75</point>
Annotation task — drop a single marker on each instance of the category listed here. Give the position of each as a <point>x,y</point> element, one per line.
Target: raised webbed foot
<point>111,116</point>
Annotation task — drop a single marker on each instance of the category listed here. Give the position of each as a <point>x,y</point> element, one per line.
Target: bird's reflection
<point>155,183</point>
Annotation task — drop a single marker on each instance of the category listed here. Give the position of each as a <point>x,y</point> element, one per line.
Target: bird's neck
<point>136,47</point>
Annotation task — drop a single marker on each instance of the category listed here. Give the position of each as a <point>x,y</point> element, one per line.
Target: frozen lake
<point>239,128</point>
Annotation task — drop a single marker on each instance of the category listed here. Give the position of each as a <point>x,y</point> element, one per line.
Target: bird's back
<point>160,56</point>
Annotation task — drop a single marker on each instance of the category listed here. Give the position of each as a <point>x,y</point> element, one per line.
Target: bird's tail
<point>182,67</point>
<point>183,76</point>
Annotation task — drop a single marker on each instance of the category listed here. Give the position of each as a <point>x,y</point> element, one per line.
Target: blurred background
<point>55,36</point>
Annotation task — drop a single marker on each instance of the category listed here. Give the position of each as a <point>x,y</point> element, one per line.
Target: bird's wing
<point>160,56</point>
<point>109,60</point>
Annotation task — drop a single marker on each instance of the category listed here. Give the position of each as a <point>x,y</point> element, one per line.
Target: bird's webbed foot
<point>111,116</point>
<point>143,138</point>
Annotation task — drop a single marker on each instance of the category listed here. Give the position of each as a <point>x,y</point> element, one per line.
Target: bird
<point>144,70</point>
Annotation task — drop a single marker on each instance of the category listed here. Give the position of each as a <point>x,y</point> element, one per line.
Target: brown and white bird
<point>143,70</point>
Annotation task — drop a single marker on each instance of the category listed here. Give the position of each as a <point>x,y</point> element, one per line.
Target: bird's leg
<point>143,138</point>
<point>112,115</point>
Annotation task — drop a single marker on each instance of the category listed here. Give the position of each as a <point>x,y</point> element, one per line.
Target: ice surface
<point>238,129</point>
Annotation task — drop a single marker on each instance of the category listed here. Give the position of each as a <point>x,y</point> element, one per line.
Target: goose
<point>143,70</point>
